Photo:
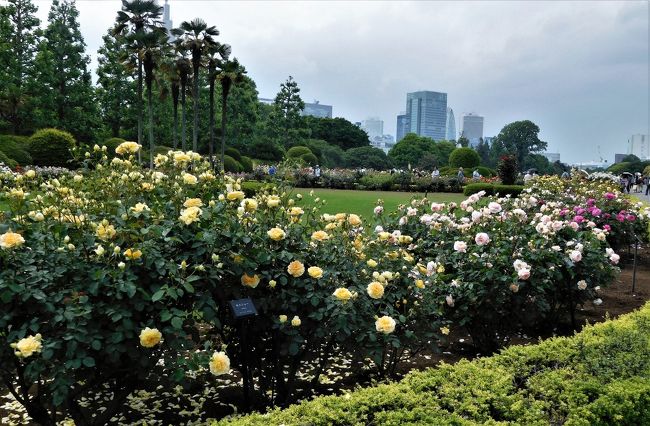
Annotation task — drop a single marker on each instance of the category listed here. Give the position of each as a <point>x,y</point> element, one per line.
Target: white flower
<point>582,284</point>
<point>597,302</point>
<point>482,238</point>
<point>450,300</point>
<point>494,207</point>
<point>460,246</point>
<point>575,256</point>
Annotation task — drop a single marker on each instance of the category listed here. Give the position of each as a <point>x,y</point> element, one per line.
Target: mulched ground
<point>164,403</point>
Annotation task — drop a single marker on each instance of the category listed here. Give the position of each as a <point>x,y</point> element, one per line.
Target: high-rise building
<point>451,125</point>
<point>373,126</point>
<point>552,157</point>
<point>403,126</point>
<point>472,128</point>
<point>167,20</point>
<point>316,109</point>
<point>427,113</point>
<point>639,145</point>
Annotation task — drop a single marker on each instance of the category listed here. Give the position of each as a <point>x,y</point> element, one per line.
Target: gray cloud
<point>577,69</point>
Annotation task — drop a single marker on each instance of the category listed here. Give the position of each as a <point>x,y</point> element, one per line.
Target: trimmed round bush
<point>51,147</point>
<point>265,150</point>
<point>234,153</point>
<point>485,171</point>
<point>309,158</point>
<point>7,161</point>
<point>246,163</point>
<point>298,151</point>
<point>464,157</point>
<point>231,165</point>
<point>15,147</point>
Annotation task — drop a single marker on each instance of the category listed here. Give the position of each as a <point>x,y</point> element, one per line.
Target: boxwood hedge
<point>600,376</point>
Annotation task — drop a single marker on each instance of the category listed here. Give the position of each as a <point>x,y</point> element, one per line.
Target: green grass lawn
<point>363,202</point>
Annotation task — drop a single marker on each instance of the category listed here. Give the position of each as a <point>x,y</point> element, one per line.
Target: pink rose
<point>460,246</point>
<point>482,238</point>
<point>523,274</point>
<point>575,256</point>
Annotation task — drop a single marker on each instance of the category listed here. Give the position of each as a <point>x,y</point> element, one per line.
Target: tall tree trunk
<point>175,94</point>
<point>139,104</point>
<point>212,122</point>
<point>224,102</point>
<point>195,130</point>
<point>151,143</point>
<point>183,115</point>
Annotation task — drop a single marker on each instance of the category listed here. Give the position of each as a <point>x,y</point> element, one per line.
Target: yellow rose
<point>372,263</point>
<point>342,294</point>
<point>273,201</point>
<point>383,236</point>
<point>340,217</point>
<point>272,283</point>
<point>296,268</point>
<point>150,337</point>
<point>354,220</point>
<point>189,179</point>
<point>219,363</point>
<point>296,211</point>
<point>181,159</point>
<point>193,202</point>
<point>190,215</point>
<point>127,148</point>
<point>249,281</point>
<point>132,254</point>
<point>375,290</point>
<point>385,324</point>
<point>146,186</point>
<point>276,234</point>
<point>315,272</point>
<point>30,174</point>
<point>331,225</point>
<point>105,231</point>
<point>28,346</point>
<point>295,321</point>
<point>419,283</point>
<point>139,208</point>
<point>249,204</point>
<point>282,319</point>
<point>10,240</point>
<point>444,330</point>
<point>235,195</point>
<point>405,239</point>
<point>320,236</point>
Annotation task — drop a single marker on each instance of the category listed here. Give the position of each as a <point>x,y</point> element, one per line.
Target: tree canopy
<point>520,138</point>
<point>337,131</point>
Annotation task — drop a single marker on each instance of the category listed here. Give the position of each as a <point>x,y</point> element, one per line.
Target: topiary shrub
<point>234,153</point>
<point>7,161</point>
<point>15,147</point>
<point>298,151</point>
<point>246,163</point>
<point>51,147</point>
<point>464,157</point>
<point>507,169</point>
<point>309,158</point>
<point>265,150</point>
<point>231,165</point>
<point>485,171</point>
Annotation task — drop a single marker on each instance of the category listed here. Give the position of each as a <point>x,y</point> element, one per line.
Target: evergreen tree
<point>483,149</point>
<point>19,35</point>
<point>286,122</point>
<point>67,98</point>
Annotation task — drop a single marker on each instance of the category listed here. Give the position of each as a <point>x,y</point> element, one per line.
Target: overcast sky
<point>579,70</point>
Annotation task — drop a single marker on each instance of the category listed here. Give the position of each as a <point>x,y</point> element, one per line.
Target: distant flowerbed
<point>117,275</point>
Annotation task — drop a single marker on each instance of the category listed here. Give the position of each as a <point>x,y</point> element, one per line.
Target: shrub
<point>485,171</point>
<point>507,169</point>
<point>7,161</point>
<point>231,165</point>
<point>309,159</point>
<point>246,163</point>
<point>298,151</point>
<point>51,147</point>
<point>493,189</point>
<point>15,147</point>
<point>464,157</point>
<point>377,181</point>
<point>266,150</point>
<point>234,153</point>
<point>111,144</point>
<point>253,188</point>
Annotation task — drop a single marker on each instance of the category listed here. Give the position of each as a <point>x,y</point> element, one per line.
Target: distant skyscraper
<point>451,125</point>
<point>473,128</point>
<point>639,145</point>
<point>427,113</point>
<point>167,20</point>
<point>403,126</point>
<point>373,126</point>
<point>316,109</point>
<point>552,157</point>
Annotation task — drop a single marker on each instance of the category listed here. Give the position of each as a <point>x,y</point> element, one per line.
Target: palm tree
<point>136,17</point>
<point>197,38</point>
<point>184,68</point>
<point>216,56</point>
<point>231,72</point>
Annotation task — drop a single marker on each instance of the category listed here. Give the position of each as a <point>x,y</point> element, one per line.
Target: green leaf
<point>158,295</point>
<point>88,362</point>
<point>177,322</point>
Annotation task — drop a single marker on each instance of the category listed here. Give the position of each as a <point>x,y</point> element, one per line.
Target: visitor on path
<point>460,175</point>
<point>566,175</point>
<point>317,171</point>
<point>625,184</point>
<point>527,177</point>
<point>646,182</point>
<point>476,175</point>
<point>435,173</point>
<point>272,171</point>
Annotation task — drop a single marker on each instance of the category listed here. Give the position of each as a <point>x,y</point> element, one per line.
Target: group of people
<point>634,183</point>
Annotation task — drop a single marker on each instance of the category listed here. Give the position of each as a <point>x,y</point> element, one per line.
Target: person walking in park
<point>435,173</point>
<point>476,175</point>
<point>317,171</point>
<point>646,182</point>
<point>461,176</point>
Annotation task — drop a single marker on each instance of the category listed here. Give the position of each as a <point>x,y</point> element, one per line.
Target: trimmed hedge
<point>246,163</point>
<point>309,159</point>
<point>231,165</point>
<point>15,147</point>
<point>234,153</point>
<point>464,157</point>
<point>51,147</point>
<point>600,376</point>
<point>493,189</point>
<point>298,151</point>
<point>7,161</point>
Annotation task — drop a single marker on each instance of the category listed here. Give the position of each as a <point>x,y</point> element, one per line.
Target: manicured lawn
<point>363,202</point>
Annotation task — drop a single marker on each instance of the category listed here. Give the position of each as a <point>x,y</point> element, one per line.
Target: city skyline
<point>575,52</point>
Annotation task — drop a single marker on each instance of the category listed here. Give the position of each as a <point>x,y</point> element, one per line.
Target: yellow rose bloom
<point>276,234</point>
<point>295,321</point>
<point>383,236</point>
<point>340,217</point>
<point>235,195</point>
<point>320,236</point>
<point>190,179</point>
<point>150,337</point>
<point>385,324</point>
<point>342,294</point>
<point>315,272</point>
<point>296,268</point>
<point>10,240</point>
<point>127,148</point>
<point>249,204</point>
<point>444,330</point>
<point>132,254</point>
<point>30,174</point>
<point>405,239</point>
<point>193,202</point>
<point>419,283</point>
<point>296,211</point>
<point>354,220</point>
<point>146,186</point>
<point>139,208</point>
<point>331,225</point>
<point>375,290</point>
<point>282,319</point>
<point>28,346</point>
<point>273,201</point>
<point>249,281</point>
<point>181,158</point>
<point>190,215</point>
<point>219,363</point>
<point>105,232</point>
